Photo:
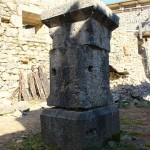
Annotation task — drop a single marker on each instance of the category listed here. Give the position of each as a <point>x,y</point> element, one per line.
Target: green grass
<point>131,121</point>
<point>137,134</point>
<point>34,142</point>
<point>147,144</point>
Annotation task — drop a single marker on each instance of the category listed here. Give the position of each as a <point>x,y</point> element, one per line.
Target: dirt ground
<point>13,129</point>
<point>135,127</point>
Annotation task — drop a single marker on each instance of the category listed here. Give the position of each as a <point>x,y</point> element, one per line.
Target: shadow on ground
<point>12,129</point>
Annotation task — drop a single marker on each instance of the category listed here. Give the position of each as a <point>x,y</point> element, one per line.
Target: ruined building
<point>25,41</point>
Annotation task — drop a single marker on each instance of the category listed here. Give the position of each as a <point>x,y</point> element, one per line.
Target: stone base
<point>74,130</point>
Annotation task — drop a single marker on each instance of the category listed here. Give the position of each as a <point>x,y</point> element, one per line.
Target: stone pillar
<point>83,113</point>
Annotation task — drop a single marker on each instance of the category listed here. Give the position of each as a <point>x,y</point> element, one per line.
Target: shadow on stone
<point>84,114</point>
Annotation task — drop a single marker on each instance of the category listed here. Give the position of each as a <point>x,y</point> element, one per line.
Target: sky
<point>111,1</point>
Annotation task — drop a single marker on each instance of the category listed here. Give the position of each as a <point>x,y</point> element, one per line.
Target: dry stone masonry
<point>83,115</point>
<point>130,54</point>
<point>24,42</point>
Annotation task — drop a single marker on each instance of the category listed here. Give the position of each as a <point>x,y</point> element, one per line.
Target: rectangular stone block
<point>88,32</point>
<point>74,130</point>
<point>79,77</point>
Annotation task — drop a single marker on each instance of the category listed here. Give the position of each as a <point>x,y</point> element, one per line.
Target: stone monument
<point>83,114</point>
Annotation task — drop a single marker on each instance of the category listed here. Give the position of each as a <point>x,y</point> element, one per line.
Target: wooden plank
<point>39,85</point>
<point>20,78</point>
<point>140,31</point>
<point>14,93</point>
<point>32,87</point>
<point>44,80</point>
<point>22,90</point>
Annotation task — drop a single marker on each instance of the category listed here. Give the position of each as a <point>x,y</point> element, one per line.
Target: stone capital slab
<point>78,10</point>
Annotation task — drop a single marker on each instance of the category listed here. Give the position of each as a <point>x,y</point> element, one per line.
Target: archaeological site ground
<point>74,75</point>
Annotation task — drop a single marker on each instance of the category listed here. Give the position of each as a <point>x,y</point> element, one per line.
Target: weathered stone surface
<point>16,20</point>
<point>4,94</point>
<point>16,46</point>
<point>80,77</point>
<point>11,6</point>
<point>83,115</point>
<point>75,10</point>
<point>74,130</point>
<point>6,109</point>
<point>22,106</point>
<point>17,113</point>
<point>88,32</point>
<point>11,32</point>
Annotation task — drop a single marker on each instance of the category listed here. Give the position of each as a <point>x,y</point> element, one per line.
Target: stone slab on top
<point>77,10</point>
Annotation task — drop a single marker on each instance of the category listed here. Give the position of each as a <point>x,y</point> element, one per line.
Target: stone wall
<point>130,19</point>
<point>21,44</point>
<point>130,54</point>
<point>25,41</point>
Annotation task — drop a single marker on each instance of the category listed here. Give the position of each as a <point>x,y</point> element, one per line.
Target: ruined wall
<point>130,20</point>
<point>21,45</point>
<point>126,56</point>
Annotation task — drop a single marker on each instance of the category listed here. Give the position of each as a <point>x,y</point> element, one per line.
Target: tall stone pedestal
<point>83,114</point>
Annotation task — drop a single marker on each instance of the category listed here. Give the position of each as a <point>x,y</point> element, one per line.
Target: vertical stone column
<point>83,114</point>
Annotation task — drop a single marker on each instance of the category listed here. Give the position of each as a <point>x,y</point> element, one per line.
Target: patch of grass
<point>34,142</point>
<point>137,134</point>
<point>131,121</point>
<point>147,144</point>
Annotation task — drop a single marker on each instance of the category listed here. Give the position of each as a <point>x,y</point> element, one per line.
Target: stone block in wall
<point>19,11</point>
<point>14,77</point>
<point>3,56</point>
<point>4,94</point>
<point>12,7</point>
<point>5,76</point>
<point>16,20</point>
<point>25,47</point>
<point>11,32</point>
<point>2,31</point>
